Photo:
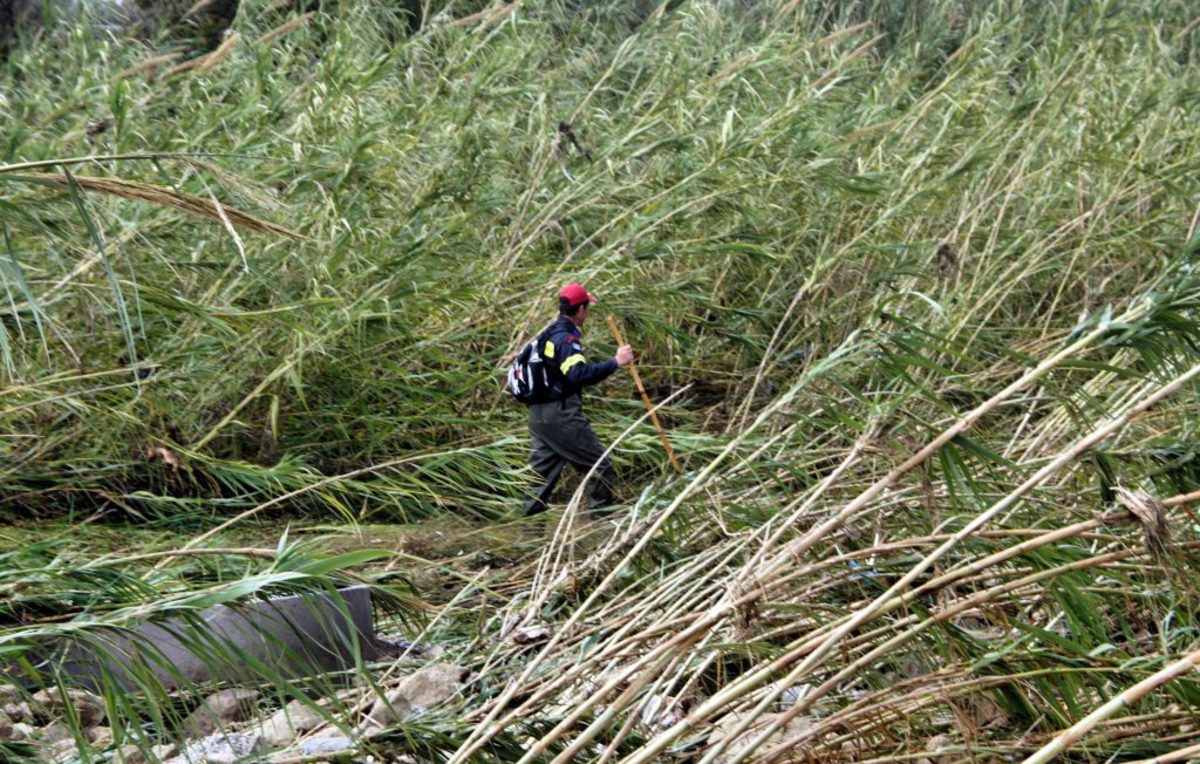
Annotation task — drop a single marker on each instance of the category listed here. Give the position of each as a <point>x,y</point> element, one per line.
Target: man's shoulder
<point>561,332</point>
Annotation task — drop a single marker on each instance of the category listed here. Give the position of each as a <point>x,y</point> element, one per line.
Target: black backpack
<point>529,375</point>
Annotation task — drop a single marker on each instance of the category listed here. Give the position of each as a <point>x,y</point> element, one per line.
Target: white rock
<point>101,737</point>
<point>288,722</point>
<point>129,754</point>
<point>527,635</point>
<point>53,733</point>
<point>63,749</point>
<point>18,712</point>
<point>938,742</point>
<point>6,726</point>
<point>23,731</point>
<point>385,712</point>
<point>221,748</point>
<point>433,684</point>
<point>219,710</point>
<point>325,745</point>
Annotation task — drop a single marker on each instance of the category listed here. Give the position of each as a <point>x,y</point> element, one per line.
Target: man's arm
<point>575,367</point>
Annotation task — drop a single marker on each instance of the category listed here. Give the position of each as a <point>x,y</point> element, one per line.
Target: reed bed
<point>917,282</point>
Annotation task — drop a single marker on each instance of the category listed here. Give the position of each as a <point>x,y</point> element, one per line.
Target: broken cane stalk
<point>637,380</point>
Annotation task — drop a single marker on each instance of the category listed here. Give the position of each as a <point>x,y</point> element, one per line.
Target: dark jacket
<point>569,370</point>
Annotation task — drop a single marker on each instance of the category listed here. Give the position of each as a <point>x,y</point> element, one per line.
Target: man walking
<point>559,429</point>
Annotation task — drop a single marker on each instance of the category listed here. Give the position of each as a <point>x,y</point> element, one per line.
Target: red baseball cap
<point>575,294</point>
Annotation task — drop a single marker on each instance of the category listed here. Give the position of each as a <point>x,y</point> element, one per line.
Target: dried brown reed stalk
<point>858,52</point>
<point>288,27</point>
<point>841,34</point>
<point>165,197</point>
<point>1151,514</point>
<point>221,53</point>
<point>716,614</point>
<point>1187,30</point>
<point>150,65</point>
<point>206,62</point>
<point>494,14</point>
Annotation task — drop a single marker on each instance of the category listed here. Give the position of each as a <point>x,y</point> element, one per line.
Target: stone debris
<point>326,745</point>
<point>53,733</point>
<point>19,711</point>
<point>6,726</point>
<point>286,724</point>
<point>219,710</point>
<point>130,754</point>
<point>386,711</point>
<point>23,731</point>
<point>528,635</point>
<point>100,737</point>
<point>433,684</point>
<point>89,707</point>
<point>63,749</point>
<point>938,742</point>
<point>220,748</point>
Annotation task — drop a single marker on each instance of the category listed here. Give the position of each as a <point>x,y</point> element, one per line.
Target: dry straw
<point>165,197</point>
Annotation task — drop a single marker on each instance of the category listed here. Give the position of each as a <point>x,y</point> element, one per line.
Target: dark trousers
<point>562,434</point>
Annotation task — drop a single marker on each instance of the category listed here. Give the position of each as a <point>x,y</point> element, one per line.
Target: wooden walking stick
<point>637,379</point>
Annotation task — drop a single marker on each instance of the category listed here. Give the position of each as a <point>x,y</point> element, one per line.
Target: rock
<point>528,635</point>
<point>391,708</point>
<point>433,684</point>
<point>89,707</point>
<point>325,745</point>
<point>727,723</point>
<point>62,750</point>
<point>288,722</point>
<point>219,710</point>
<point>18,712</point>
<point>221,748</point>
<point>53,733</point>
<point>130,754</point>
<point>938,742</point>
<point>163,751</point>
<point>6,727</point>
<point>23,731</point>
<point>101,737</point>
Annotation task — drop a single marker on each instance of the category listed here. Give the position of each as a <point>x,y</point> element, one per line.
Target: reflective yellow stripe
<point>549,351</point>
<point>573,360</point>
